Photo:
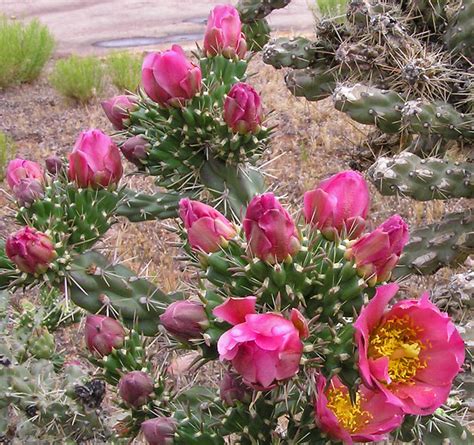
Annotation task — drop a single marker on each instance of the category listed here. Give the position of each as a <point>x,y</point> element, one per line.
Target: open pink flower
<point>207,228</point>
<point>169,78</point>
<point>411,352</point>
<point>338,205</point>
<point>369,419</point>
<point>224,34</point>
<point>377,253</point>
<point>270,231</point>
<point>263,348</point>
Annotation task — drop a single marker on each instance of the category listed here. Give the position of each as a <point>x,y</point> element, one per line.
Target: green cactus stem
<point>445,243</point>
<point>311,83</point>
<point>460,33</point>
<point>257,34</point>
<point>99,286</point>
<point>251,10</point>
<point>422,179</point>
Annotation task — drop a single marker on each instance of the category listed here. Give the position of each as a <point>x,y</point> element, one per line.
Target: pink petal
<point>234,310</point>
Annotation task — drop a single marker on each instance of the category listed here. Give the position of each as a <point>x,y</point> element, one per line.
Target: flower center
<point>350,415</point>
<point>398,339</point>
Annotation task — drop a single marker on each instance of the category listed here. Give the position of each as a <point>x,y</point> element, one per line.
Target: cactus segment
<point>460,33</point>
<point>312,83</point>
<point>8,272</point>
<point>422,179</point>
<point>257,34</point>
<point>98,286</point>
<point>445,243</point>
<point>251,10</point>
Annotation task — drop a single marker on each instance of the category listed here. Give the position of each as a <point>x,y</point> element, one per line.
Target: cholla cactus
<point>404,68</point>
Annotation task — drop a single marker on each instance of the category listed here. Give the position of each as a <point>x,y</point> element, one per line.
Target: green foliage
<point>331,8</point>
<point>25,49</point>
<point>78,78</point>
<point>124,69</point>
<point>7,152</point>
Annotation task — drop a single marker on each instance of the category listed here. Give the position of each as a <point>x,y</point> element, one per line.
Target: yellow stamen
<point>351,416</point>
<point>398,339</point>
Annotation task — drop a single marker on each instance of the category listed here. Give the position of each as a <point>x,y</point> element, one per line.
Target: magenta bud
<point>32,251</point>
<point>185,319</point>
<point>135,149</point>
<point>243,109</point>
<point>19,169</point>
<point>159,431</point>
<point>28,191</point>
<point>233,390</point>
<point>103,334</point>
<point>135,388</point>
<point>54,164</point>
<point>118,108</point>
<point>270,231</point>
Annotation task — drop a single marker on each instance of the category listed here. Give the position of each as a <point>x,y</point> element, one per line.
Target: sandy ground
<point>79,25</point>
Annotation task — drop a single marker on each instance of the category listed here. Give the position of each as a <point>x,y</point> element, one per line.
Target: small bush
<point>78,78</point>
<point>7,152</point>
<point>125,70</point>
<point>332,8</point>
<point>24,50</point>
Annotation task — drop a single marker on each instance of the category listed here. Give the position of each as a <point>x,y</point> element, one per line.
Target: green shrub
<point>78,78</point>
<point>24,50</point>
<point>125,70</point>
<point>7,152</point>
<point>332,8</point>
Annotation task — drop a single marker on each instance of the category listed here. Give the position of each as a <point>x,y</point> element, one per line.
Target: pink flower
<point>117,109</point>
<point>223,33</point>
<point>159,430</point>
<point>208,229</point>
<point>263,348</point>
<point>26,180</point>
<point>95,160</point>
<point>243,109</point>
<point>185,319</point>
<point>103,334</point>
<point>377,253</point>
<point>135,388</point>
<point>135,150</point>
<point>411,352</point>
<point>32,251</point>
<point>369,419</point>
<point>270,231</point>
<point>338,205</point>
<point>169,78</point>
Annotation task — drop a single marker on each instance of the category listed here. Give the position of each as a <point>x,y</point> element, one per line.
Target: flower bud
<point>103,334</point>
<point>135,388</point>
<point>185,319</point>
<point>232,389</point>
<point>270,231</point>
<point>28,191</point>
<point>169,78</point>
<point>32,251</point>
<point>243,109</point>
<point>224,33</point>
<point>377,253</point>
<point>95,161</point>
<point>339,205</point>
<point>117,109</point>
<point>159,431</point>
<point>54,164</point>
<point>208,229</point>
<point>135,149</point>
<point>26,180</point>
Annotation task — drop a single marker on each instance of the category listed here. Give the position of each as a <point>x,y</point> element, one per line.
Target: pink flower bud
<point>135,149</point>
<point>232,389</point>
<point>208,229</point>
<point>54,164</point>
<point>135,388</point>
<point>95,161</point>
<point>223,33</point>
<point>243,109</point>
<point>26,180</point>
<point>377,253</point>
<point>159,431</point>
<point>185,319</point>
<point>169,78</point>
<point>338,205</point>
<point>32,251</point>
<point>117,109</point>
<point>103,334</point>
<point>270,231</point>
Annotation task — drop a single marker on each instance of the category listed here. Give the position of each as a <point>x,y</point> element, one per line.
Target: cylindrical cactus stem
<point>445,243</point>
<point>251,10</point>
<point>257,34</point>
<point>460,34</point>
<point>112,289</point>
<point>297,53</point>
<point>422,179</point>
<point>311,83</point>
<point>370,106</point>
